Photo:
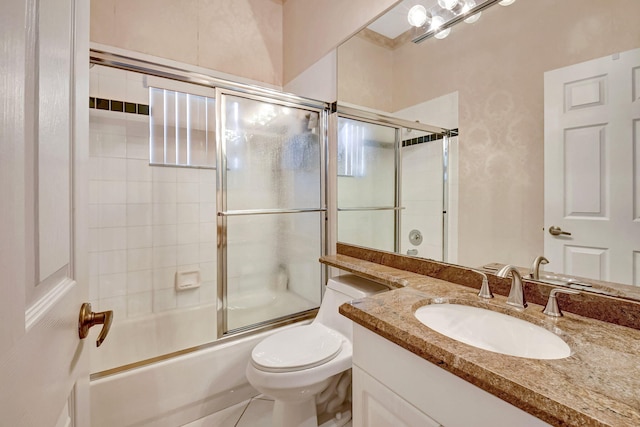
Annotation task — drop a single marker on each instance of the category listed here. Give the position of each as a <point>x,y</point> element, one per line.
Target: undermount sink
<point>493,331</point>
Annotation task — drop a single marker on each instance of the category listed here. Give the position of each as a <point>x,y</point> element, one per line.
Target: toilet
<point>295,366</point>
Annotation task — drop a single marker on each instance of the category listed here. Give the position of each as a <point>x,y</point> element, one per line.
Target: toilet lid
<point>297,348</point>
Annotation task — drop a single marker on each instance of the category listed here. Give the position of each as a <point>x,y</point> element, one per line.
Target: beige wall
<point>497,67</point>
<point>365,73</point>
<point>263,40</point>
<point>239,37</point>
<point>501,108</point>
<point>312,28</point>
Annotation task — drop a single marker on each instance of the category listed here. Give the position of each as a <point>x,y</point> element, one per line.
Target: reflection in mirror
<point>495,69</point>
<point>376,153</point>
<point>366,184</point>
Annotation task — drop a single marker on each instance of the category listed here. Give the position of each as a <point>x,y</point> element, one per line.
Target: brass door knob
<point>557,231</point>
<point>88,319</point>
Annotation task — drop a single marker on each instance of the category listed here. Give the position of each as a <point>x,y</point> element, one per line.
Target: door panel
<point>272,211</point>
<point>53,136</point>
<point>43,364</point>
<point>585,189</point>
<point>585,261</point>
<point>592,111</point>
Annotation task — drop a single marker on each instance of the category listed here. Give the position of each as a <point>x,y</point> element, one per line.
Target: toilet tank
<point>339,290</point>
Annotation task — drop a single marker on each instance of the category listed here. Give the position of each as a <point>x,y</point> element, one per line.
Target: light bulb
<point>442,34</point>
<point>447,4</point>
<point>468,5</point>
<point>437,22</point>
<point>473,18</point>
<point>417,16</point>
<point>506,2</point>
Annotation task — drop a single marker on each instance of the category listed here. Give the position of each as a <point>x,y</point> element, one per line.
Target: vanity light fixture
<point>439,18</point>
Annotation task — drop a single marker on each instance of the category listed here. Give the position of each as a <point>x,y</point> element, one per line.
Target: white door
<point>592,168</point>
<point>43,147</point>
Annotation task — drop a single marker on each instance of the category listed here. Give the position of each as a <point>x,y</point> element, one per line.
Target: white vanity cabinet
<point>375,405</point>
<point>393,387</point>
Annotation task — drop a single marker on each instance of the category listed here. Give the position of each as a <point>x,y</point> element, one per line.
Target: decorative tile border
<point>427,138</point>
<point>120,106</point>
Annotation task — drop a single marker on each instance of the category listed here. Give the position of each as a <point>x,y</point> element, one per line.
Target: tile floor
<point>255,412</point>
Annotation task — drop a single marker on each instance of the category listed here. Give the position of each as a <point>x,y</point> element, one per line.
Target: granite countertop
<point>597,385</point>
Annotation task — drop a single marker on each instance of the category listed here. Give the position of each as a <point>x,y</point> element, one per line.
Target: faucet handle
<point>485,292</point>
<point>552,309</point>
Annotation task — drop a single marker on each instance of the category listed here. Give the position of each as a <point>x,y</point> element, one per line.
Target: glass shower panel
<point>272,266</point>
<point>366,164</point>
<point>366,184</point>
<point>272,211</point>
<point>273,156</point>
<point>372,229</point>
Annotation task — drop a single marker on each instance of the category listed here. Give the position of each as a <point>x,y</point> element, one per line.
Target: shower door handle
<point>88,318</point>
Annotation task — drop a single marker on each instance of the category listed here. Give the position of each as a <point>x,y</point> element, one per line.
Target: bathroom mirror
<point>494,71</point>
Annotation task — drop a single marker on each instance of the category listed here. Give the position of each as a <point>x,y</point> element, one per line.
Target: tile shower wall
<point>147,222</point>
<point>422,198</point>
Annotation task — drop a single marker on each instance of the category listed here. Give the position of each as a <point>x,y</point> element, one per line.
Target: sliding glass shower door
<point>392,183</point>
<point>367,184</point>
<point>271,210</point>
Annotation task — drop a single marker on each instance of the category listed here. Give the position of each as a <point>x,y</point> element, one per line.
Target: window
<point>182,129</point>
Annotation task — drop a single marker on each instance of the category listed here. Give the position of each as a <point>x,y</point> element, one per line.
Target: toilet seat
<point>298,348</point>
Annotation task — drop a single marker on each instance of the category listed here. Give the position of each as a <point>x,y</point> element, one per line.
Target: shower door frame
<point>352,113</point>
<point>221,200</point>
<point>103,55</point>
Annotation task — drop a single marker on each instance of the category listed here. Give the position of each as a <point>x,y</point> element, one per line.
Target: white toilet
<point>295,365</point>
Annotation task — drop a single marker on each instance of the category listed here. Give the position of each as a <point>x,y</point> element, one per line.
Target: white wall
<point>239,37</point>
<point>311,28</point>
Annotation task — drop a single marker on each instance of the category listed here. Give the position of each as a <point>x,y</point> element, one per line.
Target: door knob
<point>557,231</point>
<point>88,319</point>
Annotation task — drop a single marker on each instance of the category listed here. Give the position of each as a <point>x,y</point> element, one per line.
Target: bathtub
<point>178,390</point>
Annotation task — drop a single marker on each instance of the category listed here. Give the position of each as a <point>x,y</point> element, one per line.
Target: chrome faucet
<point>516,294</point>
<point>535,267</point>
<point>552,309</point>
<point>485,292</point>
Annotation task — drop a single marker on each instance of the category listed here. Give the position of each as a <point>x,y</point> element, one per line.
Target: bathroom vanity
<point>410,391</point>
<point>405,371</point>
